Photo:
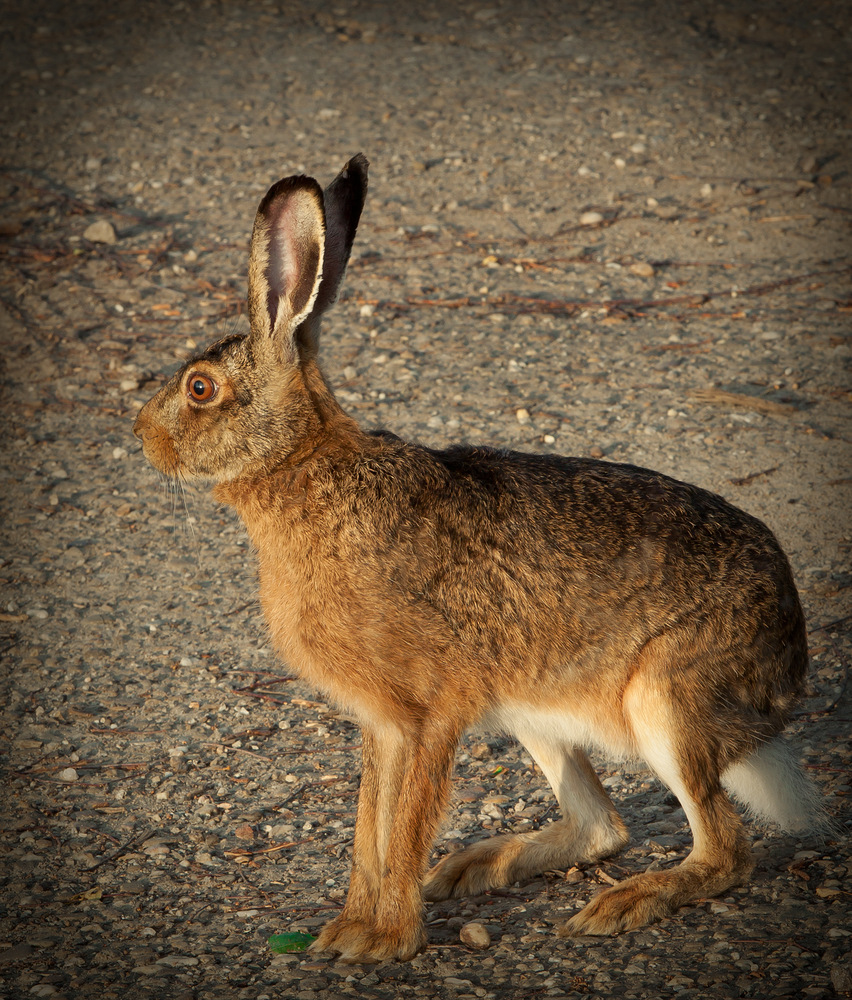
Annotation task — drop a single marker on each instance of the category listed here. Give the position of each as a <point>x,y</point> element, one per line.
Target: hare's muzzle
<point>157,445</point>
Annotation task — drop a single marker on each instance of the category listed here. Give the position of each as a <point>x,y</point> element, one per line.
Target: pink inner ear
<point>282,258</point>
<point>293,255</point>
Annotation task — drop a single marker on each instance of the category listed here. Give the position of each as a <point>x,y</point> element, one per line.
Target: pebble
<point>68,774</point>
<point>841,979</point>
<point>591,218</point>
<point>522,416</point>
<point>100,232</point>
<point>642,268</point>
<point>475,935</point>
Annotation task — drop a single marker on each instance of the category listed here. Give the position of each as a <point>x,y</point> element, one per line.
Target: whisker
<point>182,485</point>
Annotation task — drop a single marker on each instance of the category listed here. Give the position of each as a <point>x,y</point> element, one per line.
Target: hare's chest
<point>310,620</point>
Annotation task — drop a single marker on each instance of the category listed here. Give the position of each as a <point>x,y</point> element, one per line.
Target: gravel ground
<point>613,229</point>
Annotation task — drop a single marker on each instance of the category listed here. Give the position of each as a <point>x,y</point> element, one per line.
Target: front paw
<point>356,940</point>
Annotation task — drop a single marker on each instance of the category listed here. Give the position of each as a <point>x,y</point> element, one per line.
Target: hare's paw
<point>472,870</point>
<point>355,940</point>
<point>631,904</point>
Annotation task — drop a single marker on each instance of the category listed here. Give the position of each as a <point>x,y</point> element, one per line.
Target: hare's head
<point>227,410</point>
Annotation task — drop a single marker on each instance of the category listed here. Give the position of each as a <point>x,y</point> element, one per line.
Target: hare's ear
<point>286,260</point>
<point>343,199</point>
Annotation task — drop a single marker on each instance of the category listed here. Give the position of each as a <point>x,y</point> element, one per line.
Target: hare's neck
<point>272,500</point>
<point>325,407</point>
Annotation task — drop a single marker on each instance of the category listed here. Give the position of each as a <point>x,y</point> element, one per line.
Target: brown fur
<point>571,602</point>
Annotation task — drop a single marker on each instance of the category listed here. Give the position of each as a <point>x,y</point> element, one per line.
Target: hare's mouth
<point>158,448</point>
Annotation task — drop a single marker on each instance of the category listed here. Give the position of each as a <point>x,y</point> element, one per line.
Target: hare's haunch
<point>570,602</point>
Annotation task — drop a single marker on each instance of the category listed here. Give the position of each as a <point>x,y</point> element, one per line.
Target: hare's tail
<point>773,787</point>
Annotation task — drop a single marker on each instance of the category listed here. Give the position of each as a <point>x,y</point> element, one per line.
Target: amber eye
<point>200,387</point>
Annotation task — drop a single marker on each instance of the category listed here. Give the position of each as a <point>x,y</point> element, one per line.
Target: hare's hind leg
<point>720,857</point>
<point>591,829</point>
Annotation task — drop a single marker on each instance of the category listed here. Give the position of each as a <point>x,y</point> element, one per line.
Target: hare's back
<point>601,509</point>
<point>516,530</point>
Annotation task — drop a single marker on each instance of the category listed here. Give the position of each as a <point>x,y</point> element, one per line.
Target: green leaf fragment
<point>283,944</point>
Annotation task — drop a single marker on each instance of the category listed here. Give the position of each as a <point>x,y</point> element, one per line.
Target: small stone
<point>475,935</point>
<point>68,774</point>
<point>522,416</point>
<point>16,953</point>
<point>128,384</point>
<point>827,891</point>
<point>549,439</point>
<point>642,268</point>
<point>154,850</point>
<point>590,218</point>
<point>841,979</point>
<point>244,832</point>
<point>119,453</point>
<point>100,232</point>
<point>596,452</point>
<point>809,164</point>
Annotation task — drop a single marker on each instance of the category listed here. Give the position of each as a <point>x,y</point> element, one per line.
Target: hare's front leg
<point>382,766</point>
<point>404,788</point>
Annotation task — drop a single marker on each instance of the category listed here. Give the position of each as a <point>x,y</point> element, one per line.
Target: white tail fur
<point>774,788</point>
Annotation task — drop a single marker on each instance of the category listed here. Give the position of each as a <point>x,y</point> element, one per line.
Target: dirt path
<point>616,229</point>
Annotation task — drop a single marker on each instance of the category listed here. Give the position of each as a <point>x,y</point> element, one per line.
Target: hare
<point>570,602</point>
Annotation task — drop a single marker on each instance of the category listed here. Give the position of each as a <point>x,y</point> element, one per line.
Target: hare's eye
<point>201,388</point>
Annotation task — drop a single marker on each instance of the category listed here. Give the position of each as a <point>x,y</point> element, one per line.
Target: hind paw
<point>625,907</point>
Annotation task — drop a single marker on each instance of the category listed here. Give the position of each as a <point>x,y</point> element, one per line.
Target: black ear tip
<point>359,166</point>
